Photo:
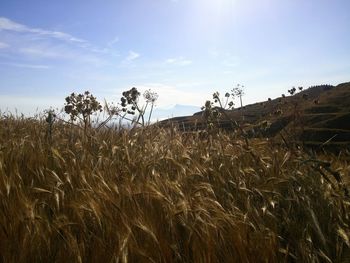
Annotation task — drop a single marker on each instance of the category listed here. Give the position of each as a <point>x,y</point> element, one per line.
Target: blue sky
<point>182,49</point>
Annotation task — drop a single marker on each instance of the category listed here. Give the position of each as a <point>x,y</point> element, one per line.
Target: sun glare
<point>211,17</point>
<point>217,7</point>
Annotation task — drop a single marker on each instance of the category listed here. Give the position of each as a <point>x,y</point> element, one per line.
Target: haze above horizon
<point>183,49</point>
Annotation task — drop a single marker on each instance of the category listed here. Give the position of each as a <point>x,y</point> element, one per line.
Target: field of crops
<point>159,195</point>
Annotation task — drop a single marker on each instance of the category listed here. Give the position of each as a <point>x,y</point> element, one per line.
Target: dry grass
<point>157,195</point>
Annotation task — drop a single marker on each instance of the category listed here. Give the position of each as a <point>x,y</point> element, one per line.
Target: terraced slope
<point>329,120</point>
<point>317,116</point>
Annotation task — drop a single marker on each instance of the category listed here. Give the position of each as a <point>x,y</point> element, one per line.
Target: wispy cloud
<point>113,41</point>
<point>179,61</point>
<point>231,61</point>
<point>4,45</point>
<point>227,59</point>
<point>25,43</point>
<point>35,51</point>
<point>29,105</point>
<point>132,56</point>
<point>30,66</point>
<point>173,94</point>
<point>9,25</point>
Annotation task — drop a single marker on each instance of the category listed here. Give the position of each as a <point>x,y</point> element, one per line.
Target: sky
<point>182,49</point>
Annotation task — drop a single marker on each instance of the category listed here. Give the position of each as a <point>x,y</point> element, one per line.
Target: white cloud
<point>214,53</point>
<point>48,43</point>
<point>9,25</point>
<point>56,52</point>
<point>27,105</point>
<point>171,95</point>
<point>179,61</point>
<point>132,56</point>
<point>41,52</point>
<point>113,41</point>
<point>231,61</point>
<point>30,66</point>
<point>3,45</point>
<point>30,44</point>
<point>227,59</point>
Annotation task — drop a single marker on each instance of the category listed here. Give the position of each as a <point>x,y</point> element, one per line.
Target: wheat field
<point>160,195</point>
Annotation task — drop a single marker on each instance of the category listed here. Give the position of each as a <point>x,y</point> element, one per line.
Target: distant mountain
<point>173,111</point>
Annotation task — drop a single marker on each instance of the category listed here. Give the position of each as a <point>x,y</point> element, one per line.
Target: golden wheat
<point>159,195</point>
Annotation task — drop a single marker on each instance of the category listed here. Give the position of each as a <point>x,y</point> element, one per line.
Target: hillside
<point>314,116</point>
